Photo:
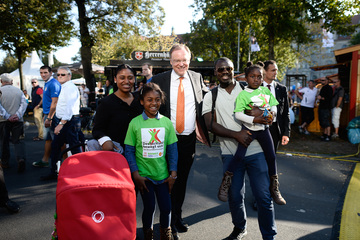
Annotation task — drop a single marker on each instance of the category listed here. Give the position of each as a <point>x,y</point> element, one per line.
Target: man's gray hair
<point>5,77</point>
<point>66,69</point>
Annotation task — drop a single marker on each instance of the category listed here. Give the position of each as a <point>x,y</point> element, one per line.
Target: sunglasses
<point>222,69</point>
<point>33,82</point>
<point>62,74</point>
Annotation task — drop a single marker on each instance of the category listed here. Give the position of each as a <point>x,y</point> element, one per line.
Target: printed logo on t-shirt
<point>153,142</point>
<point>261,100</point>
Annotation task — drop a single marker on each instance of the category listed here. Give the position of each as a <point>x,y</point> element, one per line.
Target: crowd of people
<point>165,111</point>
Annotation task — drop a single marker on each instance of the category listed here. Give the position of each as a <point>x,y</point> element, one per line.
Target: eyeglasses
<point>33,82</point>
<point>62,74</point>
<point>222,69</point>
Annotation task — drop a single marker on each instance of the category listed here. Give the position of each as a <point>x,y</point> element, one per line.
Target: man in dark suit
<point>280,129</point>
<point>184,90</point>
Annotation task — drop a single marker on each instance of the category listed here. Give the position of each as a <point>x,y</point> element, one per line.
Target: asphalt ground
<point>314,188</point>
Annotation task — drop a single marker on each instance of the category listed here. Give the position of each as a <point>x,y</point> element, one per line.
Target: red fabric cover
<point>91,186</point>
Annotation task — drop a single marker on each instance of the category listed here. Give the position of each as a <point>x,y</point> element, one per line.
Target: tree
<point>355,39</point>
<point>122,45</point>
<point>33,25</point>
<point>9,64</point>
<point>275,23</point>
<point>125,16</point>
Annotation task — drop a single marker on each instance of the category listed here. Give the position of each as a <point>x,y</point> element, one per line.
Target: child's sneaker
<point>225,186</point>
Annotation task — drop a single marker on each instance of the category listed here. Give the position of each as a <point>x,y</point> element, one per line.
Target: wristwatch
<point>60,123</point>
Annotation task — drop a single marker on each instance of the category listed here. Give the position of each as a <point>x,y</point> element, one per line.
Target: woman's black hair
<point>152,87</point>
<point>250,67</point>
<point>124,66</point>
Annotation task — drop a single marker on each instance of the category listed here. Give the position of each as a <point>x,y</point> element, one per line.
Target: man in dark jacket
<point>325,97</point>
<point>36,104</point>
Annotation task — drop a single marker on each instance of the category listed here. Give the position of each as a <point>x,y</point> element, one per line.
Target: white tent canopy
<point>31,69</point>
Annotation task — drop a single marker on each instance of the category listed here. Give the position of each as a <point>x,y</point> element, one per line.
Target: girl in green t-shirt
<point>255,95</point>
<point>150,137</point>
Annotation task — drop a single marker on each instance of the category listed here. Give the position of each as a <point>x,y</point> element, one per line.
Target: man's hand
<point>13,118</point>
<point>243,137</point>
<point>285,140</point>
<point>140,182</point>
<point>47,123</point>
<point>58,129</point>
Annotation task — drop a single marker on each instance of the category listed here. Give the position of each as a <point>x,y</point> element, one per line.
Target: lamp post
<point>238,49</point>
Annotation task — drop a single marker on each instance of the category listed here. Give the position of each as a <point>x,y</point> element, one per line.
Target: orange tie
<point>180,108</point>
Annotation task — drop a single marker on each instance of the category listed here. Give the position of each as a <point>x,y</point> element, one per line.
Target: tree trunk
<point>85,50</point>
<point>22,80</point>
<point>271,35</point>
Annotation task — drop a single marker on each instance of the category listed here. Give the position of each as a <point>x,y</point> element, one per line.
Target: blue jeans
<point>163,198</point>
<point>68,134</point>
<point>257,170</point>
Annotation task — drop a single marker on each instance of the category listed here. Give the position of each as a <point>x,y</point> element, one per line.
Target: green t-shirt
<point>150,138</point>
<point>260,97</point>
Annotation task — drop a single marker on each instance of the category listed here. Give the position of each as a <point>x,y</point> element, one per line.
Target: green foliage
<point>121,46</point>
<point>9,64</point>
<point>100,21</point>
<point>355,39</point>
<point>283,28</point>
<point>33,25</point>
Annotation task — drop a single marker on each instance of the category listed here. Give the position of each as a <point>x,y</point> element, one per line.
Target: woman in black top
<point>115,111</point>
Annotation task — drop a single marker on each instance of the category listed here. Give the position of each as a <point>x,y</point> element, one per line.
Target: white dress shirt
<point>190,114</point>
<point>272,90</point>
<point>68,102</point>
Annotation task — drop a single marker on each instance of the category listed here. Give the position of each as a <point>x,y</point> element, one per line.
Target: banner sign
<point>151,55</point>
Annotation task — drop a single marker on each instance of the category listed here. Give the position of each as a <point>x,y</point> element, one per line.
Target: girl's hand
<point>108,146</point>
<point>262,120</point>
<point>171,180</point>
<point>140,182</point>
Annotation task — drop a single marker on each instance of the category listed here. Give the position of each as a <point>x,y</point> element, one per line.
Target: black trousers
<point>3,191</point>
<point>274,131</point>
<point>186,152</point>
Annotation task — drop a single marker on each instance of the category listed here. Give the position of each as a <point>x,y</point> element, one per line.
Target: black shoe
<point>51,176</point>
<point>176,236</point>
<point>181,225</point>
<point>11,206</point>
<point>21,166</point>
<point>175,232</point>
<point>327,138</point>
<point>237,234</point>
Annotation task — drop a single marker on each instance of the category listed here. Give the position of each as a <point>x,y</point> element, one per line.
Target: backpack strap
<point>214,93</point>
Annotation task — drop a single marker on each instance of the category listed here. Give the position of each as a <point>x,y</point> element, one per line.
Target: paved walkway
<point>314,188</point>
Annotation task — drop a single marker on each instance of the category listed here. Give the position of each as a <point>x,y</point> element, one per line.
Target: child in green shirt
<point>150,137</point>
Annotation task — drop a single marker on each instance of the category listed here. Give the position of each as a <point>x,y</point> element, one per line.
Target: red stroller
<point>95,198</point>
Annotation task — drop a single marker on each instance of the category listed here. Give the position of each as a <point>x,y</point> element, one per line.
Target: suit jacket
<point>283,115</point>
<point>197,82</point>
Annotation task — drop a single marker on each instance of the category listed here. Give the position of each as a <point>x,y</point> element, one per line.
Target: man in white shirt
<point>66,121</point>
<point>308,97</point>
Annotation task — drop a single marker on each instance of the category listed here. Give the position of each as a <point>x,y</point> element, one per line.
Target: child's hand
<point>108,146</point>
<point>140,182</point>
<point>255,111</point>
<point>171,180</point>
<point>262,120</point>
